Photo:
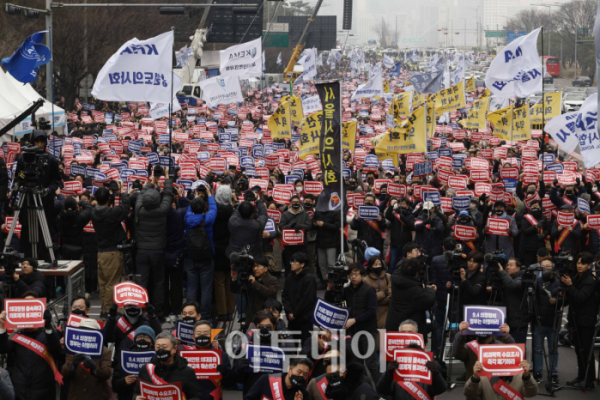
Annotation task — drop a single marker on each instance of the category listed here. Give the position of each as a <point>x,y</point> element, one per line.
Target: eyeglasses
<point>356,274</point>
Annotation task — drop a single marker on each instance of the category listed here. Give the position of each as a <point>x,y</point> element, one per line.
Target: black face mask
<point>265,334</point>
<point>377,270</point>
<point>202,341</point>
<point>307,206</point>
<point>133,312</point>
<point>368,204</point>
<point>531,191</point>
<point>163,354</point>
<point>142,344</point>
<point>296,206</point>
<point>499,212</point>
<point>336,390</point>
<point>297,381</point>
<point>536,212</point>
<point>464,220</point>
<point>404,210</point>
<point>78,311</point>
<point>189,320</point>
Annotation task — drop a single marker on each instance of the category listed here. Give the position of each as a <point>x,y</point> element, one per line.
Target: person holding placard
<point>370,230</point>
<point>535,228</point>
<point>591,236</point>
<point>287,386</point>
<point>123,383</point>
<point>500,238</point>
<point>31,355</point>
<point>87,377</point>
<point>400,215</point>
<point>296,218</point>
<point>481,388</point>
<point>472,290</point>
<point>566,232</point>
<point>168,367</point>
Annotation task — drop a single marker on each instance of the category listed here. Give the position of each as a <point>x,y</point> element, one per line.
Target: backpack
<point>198,245</point>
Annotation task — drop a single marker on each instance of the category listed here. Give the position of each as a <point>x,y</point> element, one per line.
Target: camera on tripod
<point>339,277</point>
<point>456,260</point>
<point>35,161</point>
<point>127,247</point>
<point>243,263</point>
<point>563,262</point>
<point>496,260</point>
<point>9,261</point>
<point>44,125</point>
<point>530,275</point>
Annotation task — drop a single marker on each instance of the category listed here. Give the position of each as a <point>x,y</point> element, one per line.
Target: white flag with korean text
<point>221,90</point>
<point>243,60</point>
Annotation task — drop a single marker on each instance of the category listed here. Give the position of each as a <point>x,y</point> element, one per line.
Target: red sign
<point>130,293</point>
<point>203,362</point>
<point>566,178</point>
<point>398,341</point>
<point>481,188</point>
<point>501,359</point>
<point>498,226</point>
<point>509,173</point>
<point>378,183</point>
<point>570,166</point>
<point>275,215</point>
<point>263,183</point>
<point>313,187</point>
<point>593,221</point>
<point>443,175</point>
<point>478,163</point>
<point>396,190</point>
<point>457,182</point>
<point>465,233</point>
<point>291,238</point>
<point>217,164</point>
<point>565,218</point>
<point>21,314</point>
<point>411,366</point>
<point>171,391</point>
<point>355,200</point>
<point>8,222</point>
<point>282,195</point>
<point>480,175</point>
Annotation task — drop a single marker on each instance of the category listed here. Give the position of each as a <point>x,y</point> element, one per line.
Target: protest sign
<point>203,362</point>
<point>411,366</point>
<point>292,238</point>
<point>501,359</point>
<point>593,221</point>
<point>21,313</point>
<point>465,233</point>
<point>328,316</point>
<point>368,212</point>
<point>565,218</point>
<point>498,226</point>
<point>484,320</point>
<point>185,332</point>
<point>84,341</point>
<point>398,341</point>
<point>265,359</point>
<point>133,361</point>
<point>125,293</point>
<point>171,391</point>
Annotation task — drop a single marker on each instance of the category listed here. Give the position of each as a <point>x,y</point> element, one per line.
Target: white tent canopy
<point>16,98</point>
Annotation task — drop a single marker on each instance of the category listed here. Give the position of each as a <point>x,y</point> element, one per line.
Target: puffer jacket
<point>72,223</point>
<point>381,284</point>
<point>409,301</point>
<point>151,216</point>
<point>179,371</point>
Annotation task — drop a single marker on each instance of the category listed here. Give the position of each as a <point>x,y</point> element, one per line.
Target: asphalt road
<point>567,369</point>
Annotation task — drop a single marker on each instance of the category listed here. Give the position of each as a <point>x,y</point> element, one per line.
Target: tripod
<point>35,215</point>
<point>556,324</point>
<point>452,304</point>
<point>591,355</point>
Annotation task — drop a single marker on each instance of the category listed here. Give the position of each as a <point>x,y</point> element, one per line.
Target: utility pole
<point>576,29</point>
<point>49,93</point>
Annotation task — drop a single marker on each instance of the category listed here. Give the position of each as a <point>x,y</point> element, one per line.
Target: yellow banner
<point>386,156</point>
<point>521,124</point>
<point>450,99</point>
<point>349,135</point>
<point>386,87</point>
<point>430,121</point>
<point>409,138</point>
<point>310,134</point>
<point>279,122</point>
<point>417,101</point>
<point>285,98</point>
<point>502,121</point>
<point>296,111</point>
<point>486,93</point>
<point>471,85</point>
<point>548,110</point>
<point>402,105</point>
<point>476,117</point>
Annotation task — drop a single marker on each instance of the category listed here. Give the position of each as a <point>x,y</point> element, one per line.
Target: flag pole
<point>543,96</point>
<point>342,194</point>
<point>171,109</point>
<point>52,80</point>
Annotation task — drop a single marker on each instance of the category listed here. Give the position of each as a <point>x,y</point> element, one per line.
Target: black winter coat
<point>262,389</point>
<point>473,290</point>
<point>362,302</point>
<point>249,231</point>
<point>530,241</point>
<point>571,242</point>
<point>369,234</point>
<point>72,223</point>
<point>120,338</point>
<point>401,231</point>
<point>151,216</point>
<point>221,237</point>
<point>513,290</point>
<point>107,224</point>
<point>583,300</point>
<point>31,376</point>
<point>328,235</point>
<point>409,301</point>
<point>299,295</point>
<point>547,310</point>
<point>34,281</point>
<point>176,372</point>
<point>176,239</point>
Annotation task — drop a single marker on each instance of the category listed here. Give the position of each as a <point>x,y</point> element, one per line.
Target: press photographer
<point>472,283</point>
<point>37,170</point>
<point>246,226</point>
<point>583,304</point>
<point>513,290</point>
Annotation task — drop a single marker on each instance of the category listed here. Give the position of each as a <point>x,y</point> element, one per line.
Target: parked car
<point>573,89</point>
<point>591,90</point>
<point>573,101</point>
<point>548,87</point>
<point>582,81</point>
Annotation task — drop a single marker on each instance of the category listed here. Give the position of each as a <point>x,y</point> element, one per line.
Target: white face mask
<point>594,189</point>
<point>299,189</point>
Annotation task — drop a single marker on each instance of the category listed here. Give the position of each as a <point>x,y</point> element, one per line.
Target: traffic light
<point>31,14</point>
<point>347,15</point>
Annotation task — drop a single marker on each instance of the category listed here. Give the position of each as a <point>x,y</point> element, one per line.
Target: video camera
<point>127,247</point>
<point>495,260</point>
<point>456,260</point>
<point>422,259</point>
<point>530,274</point>
<point>563,262</point>
<point>9,261</point>
<point>339,277</point>
<point>32,170</point>
<point>242,263</point>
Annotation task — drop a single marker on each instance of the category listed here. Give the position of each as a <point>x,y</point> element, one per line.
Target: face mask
<point>404,210</point>
<point>307,206</point>
<point>265,334</point>
<point>189,320</point>
<point>594,189</point>
<point>163,354</point>
<point>499,212</point>
<point>142,344</point>
<point>377,270</point>
<point>464,220</point>
<point>202,341</point>
<point>368,204</point>
<point>530,191</point>
<point>536,211</point>
<point>336,390</point>
<point>77,311</point>
<point>133,312</point>
<point>295,206</point>
<point>299,189</point>
<point>297,381</point>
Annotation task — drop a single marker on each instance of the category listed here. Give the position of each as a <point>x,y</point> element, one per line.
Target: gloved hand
<point>47,319</point>
<point>77,359</point>
<point>112,312</point>
<point>391,367</point>
<point>150,310</point>
<point>541,236</point>
<point>90,364</point>
<point>244,363</point>
<point>222,369</point>
<point>432,366</point>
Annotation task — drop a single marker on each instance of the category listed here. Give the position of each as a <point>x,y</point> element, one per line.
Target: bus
<point>552,65</point>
